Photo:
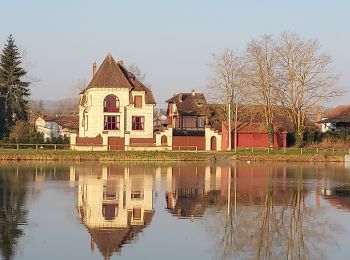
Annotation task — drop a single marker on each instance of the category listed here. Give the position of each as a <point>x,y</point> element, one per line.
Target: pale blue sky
<point>171,41</point>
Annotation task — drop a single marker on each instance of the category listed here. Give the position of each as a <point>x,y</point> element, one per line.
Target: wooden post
<point>55,147</point>
<point>301,150</point>
<point>333,151</point>
<point>316,150</point>
<point>36,147</point>
<point>252,149</point>
<point>17,146</point>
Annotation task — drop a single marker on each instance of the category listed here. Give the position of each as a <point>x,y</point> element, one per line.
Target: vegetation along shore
<point>290,155</point>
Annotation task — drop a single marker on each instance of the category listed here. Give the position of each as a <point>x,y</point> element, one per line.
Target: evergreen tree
<point>14,91</point>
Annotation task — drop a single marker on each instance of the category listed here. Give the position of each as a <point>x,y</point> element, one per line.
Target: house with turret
<point>116,113</point>
<point>115,109</point>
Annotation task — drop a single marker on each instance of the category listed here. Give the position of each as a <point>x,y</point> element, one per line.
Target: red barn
<point>250,134</point>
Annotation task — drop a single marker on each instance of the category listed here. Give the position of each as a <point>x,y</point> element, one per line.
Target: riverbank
<point>242,155</point>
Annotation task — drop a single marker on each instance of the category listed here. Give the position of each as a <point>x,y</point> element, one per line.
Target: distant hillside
<point>57,107</point>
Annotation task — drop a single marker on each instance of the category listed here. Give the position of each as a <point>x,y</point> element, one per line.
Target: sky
<point>172,42</point>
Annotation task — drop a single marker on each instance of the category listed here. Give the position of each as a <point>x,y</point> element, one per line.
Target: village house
<point>116,112</point>
<point>337,119</point>
<point>188,119</point>
<point>188,111</point>
<point>57,126</point>
<point>115,109</point>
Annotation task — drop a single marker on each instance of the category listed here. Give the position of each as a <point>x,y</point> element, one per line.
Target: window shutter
<point>138,101</point>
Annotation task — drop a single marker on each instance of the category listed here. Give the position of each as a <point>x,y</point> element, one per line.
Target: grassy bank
<point>291,155</point>
<point>65,155</point>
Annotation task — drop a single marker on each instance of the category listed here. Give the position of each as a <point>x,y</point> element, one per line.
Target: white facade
<point>91,113</point>
<point>50,129</point>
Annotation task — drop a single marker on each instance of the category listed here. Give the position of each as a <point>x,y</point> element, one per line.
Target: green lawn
<point>290,154</point>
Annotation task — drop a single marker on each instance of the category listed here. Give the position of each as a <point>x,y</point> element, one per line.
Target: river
<point>174,211</point>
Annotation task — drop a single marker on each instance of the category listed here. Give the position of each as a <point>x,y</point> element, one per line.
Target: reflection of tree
<point>12,211</point>
<point>278,225</point>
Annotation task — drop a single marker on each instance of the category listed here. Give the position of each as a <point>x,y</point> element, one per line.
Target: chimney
<point>94,68</point>
<point>121,62</point>
<point>92,245</point>
<point>180,97</point>
<point>193,93</point>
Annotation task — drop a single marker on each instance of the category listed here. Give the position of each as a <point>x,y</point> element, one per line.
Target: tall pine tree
<point>14,91</point>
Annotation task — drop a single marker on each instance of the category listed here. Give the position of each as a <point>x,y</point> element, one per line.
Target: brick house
<point>115,108</point>
<point>188,118</point>
<point>188,111</point>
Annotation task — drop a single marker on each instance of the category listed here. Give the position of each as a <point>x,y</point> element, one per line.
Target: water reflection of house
<point>114,203</point>
<point>192,189</point>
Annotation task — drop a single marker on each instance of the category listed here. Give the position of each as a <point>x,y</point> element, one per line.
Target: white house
<point>337,119</point>
<point>116,107</point>
<point>55,126</point>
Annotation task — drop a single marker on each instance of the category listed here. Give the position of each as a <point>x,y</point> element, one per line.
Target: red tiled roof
<point>251,119</point>
<point>190,103</point>
<point>338,114</point>
<point>109,74</point>
<point>70,122</point>
<point>112,74</point>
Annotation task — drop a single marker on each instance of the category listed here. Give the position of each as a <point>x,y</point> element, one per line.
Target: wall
<point>142,141</point>
<point>89,140</point>
<point>197,141</point>
<point>259,140</point>
<point>147,111</point>
<point>168,132</point>
<point>209,133</point>
<point>94,108</point>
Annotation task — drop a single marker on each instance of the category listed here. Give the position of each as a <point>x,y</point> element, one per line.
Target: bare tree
<point>227,85</point>
<point>306,79</point>
<point>78,87</point>
<point>261,75</point>
<point>134,69</point>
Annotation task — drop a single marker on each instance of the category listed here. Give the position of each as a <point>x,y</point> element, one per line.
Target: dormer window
<point>111,104</point>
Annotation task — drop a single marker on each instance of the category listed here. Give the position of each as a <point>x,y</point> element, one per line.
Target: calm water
<point>174,211</point>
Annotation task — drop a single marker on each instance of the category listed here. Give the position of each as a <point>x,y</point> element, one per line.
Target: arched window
<point>111,104</point>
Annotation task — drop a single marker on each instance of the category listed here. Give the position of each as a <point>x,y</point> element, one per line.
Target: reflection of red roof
<point>111,240</point>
